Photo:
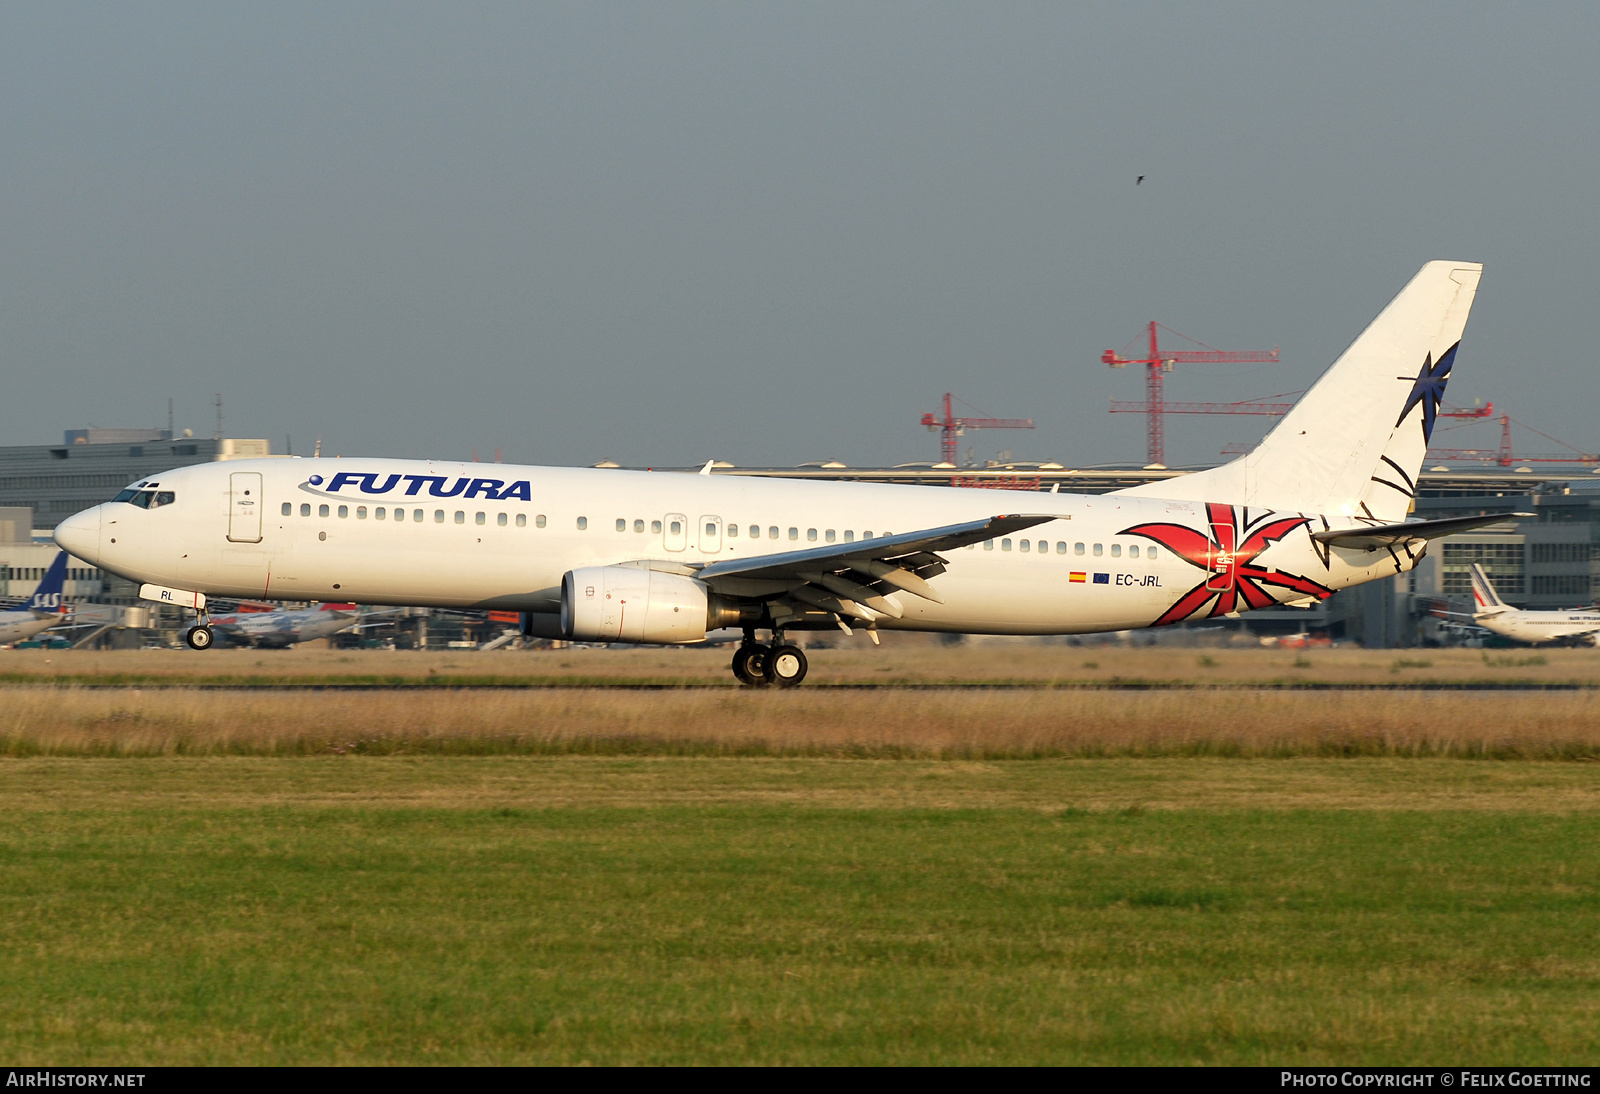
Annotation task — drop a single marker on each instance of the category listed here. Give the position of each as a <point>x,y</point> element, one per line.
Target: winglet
<point>706,470</point>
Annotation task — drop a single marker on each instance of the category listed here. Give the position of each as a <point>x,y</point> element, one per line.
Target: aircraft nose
<point>79,535</point>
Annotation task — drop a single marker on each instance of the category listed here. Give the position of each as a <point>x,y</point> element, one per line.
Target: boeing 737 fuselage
<point>623,556</point>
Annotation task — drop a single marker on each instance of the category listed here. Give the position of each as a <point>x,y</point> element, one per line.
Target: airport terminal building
<point>1547,560</point>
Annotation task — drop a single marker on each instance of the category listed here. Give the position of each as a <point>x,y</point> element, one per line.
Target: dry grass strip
<point>928,724</point>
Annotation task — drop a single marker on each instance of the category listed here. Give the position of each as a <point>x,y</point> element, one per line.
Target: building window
<point>1560,584</point>
<point>1503,562</point>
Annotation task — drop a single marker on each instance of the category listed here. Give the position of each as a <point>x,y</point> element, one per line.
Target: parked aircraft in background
<point>282,629</point>
<point>43,610</point>
<point>602,555</point>
<point>1572,626</point>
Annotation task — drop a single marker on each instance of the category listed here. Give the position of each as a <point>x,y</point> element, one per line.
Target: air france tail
<point>1484,598</point>
<point>1353,445</point>
<point>47,597</point>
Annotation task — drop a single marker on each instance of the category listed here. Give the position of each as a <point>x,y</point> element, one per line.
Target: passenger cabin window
<point>361,512</point>
<point>733,531</point>
<point>1023,546</point>
<point>438,516</point>
<point>479,518</point>
<point>501,520</point>
<point>811,534</point>
<point>1098,550</point>
<point>522,520</point>
<point>305,509</point>
<point>539,520</point>
<point>676,528</point>
<point>1061,547</point>
<point>849,536</point>
<point>655,527</point>
<point>1149,552</point>
<point>622,524</point>
<point>288,508</point>
<point>794,533</point>
<point>378,513</point>
<point>988,545</point>
<point>322,510</point>
<point>1005,545</point>
<point>344,511</point>
<point>772,533</point>
<point>638,526</point>
<point>1077,548</point>
<point>1116,550</point>
<point>416,515</point>
<point>583,524</point>
<point>1133,551</point>
<point>461,516</point>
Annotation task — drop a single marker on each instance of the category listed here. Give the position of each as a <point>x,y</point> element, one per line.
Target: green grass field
<point>510,909</point>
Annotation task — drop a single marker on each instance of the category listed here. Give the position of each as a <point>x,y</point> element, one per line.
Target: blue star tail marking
<point>1428,390</point>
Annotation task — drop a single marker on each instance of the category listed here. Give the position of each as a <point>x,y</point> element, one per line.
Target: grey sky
<point>771,233</point>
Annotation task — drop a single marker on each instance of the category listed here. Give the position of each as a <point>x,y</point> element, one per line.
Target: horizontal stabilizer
<point>1372,536</point>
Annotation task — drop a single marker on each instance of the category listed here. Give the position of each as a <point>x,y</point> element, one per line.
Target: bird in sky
<point>1138,180</point>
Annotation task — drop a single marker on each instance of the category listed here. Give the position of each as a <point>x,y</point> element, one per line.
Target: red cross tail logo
<point>1228,556</point>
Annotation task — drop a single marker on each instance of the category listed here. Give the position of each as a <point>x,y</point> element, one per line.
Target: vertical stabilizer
<point>1485,600</point>
<point>47,597</point>
<point>1353,445</point>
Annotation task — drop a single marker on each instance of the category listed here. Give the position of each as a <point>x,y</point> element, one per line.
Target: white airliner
<point>277,630</point>
<point>625,556</point>
<point>43,610</point>
<point>1572,626</point>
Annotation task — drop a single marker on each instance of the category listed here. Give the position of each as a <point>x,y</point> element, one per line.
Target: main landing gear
<point>200,637</point>
<point>758,666</point>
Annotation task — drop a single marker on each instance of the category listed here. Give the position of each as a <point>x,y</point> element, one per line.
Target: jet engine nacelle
<point>632,604</point>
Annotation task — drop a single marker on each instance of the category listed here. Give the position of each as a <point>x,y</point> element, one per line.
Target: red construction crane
<point>951,427</point>
<point>1503,455</point>
<point>1158,362</point>
<point>1277,409</point>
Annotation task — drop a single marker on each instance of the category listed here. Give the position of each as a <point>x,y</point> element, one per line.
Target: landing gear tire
<point>200,638</point>
<point>786,666</point>
<point>750,665</point>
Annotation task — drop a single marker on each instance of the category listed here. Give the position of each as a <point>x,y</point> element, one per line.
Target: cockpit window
<point>126,495</point>
<point>163,497</point>
<point>152,499</point>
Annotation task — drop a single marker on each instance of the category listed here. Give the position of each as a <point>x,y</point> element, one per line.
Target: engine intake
<point>631,604</point>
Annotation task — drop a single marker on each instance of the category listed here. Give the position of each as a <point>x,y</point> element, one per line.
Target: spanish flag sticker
<point>1077,575</point>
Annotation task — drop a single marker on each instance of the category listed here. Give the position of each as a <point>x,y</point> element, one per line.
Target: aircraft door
<point>676,532</point>
<point>710,535</point>
<point>244,512</point>
<point>1221,558</point>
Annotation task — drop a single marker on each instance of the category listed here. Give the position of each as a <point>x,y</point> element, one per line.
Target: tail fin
<point>47,597</point>
<point>1484,598</point>
<point>1354,443</point>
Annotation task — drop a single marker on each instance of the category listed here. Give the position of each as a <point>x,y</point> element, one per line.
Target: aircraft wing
<point>815,579</point>
<point>1373,536</point>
